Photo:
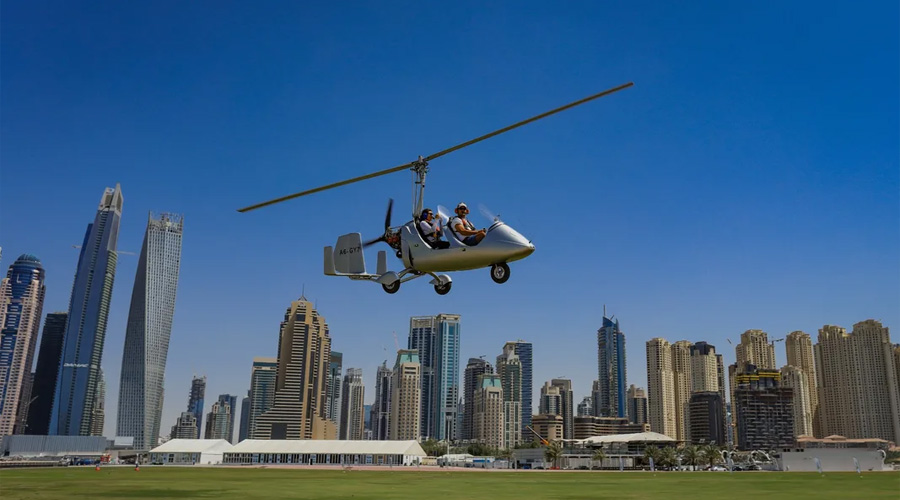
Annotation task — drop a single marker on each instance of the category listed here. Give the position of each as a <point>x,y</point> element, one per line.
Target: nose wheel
<point>500,272</point>
<point>392,288</point>
<point>443,289</point>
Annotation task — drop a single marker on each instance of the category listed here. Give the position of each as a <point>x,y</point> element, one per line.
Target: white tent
<point>320,451</point>
<point>190,451</point>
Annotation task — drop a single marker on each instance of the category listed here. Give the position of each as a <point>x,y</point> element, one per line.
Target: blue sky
<point>748,180</point>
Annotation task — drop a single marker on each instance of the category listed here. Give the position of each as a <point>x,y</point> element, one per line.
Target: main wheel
<point>443,289</point>
<point>500,273</point>
<point>392,288</point>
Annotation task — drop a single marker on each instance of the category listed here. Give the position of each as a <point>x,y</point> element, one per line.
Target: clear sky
<point>749,179</point>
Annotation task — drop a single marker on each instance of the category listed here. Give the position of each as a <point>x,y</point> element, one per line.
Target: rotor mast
<point>420,167</point>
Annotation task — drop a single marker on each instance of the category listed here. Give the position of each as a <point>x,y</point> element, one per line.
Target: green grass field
<point>247,483</point>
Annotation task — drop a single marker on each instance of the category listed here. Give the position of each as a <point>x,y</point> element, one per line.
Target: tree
<point>554,452</point>
<point>668,457</point>
<point>710,455</point>
<point>651,452</point>
<point>434,448</point>
<point>691,455</point>
<point>599,455</point>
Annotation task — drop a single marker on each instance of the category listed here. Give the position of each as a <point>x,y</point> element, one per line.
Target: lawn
<point>249,483</point>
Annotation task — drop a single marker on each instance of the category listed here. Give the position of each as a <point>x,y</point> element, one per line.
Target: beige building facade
<point>488,412</point>
<point>406,396</point>
<point>799,349</point>
<point>796,379</point>
<point>661,387</point>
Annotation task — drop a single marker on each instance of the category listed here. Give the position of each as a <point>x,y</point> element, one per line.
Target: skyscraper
<point>706,418</point>
<point>795,378</point>
<point>231,401</point>
<point>755,349</point>
<point>586,407</point>
<point>185,427</point>
<point>681,371</point>
<point>446,376</point>
<point>217,420</point>
<point>859,396</point>
<point>45,374</point>
<point>98,414</point>
<point>551,401</point>
<point>381,410</point>
<point>637,405</point>
<point>611,369</point>
<point>474,368</point>
<point>333,394</point>
<point>196,401</point>
<point>799,348</point>
<point>262,390</point>
<point>660,387</point>
<point>509,369</point>
<point>148,330</point>
<point>488,411</point>
<point>79,374</point>
<point>765,414</point>
<point>567,405</point>
<point>304,354</point>
<point>21,306</point>
<point>245,418</point>
<point>423,339</point>
<point>352,398</point>
<point>406,391</point>
<point>525,352</point>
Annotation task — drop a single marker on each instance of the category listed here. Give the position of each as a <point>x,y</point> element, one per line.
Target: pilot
<point>431,229</point>
<point>465,229</point>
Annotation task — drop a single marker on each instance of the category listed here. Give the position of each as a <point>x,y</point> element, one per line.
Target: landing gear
<point>392,288</point>
<point>443,289</point>
<point>500,273</point>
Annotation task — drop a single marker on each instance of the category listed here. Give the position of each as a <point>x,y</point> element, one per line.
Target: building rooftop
<point>640,437</point>
<point>193,446</point>
<point>349,447</point>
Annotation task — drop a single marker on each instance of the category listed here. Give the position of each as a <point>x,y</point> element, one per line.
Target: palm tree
<point>599,455</point>
<point>691,455</point>
<point>710,454</point>
<point>651,452</point>
<point>553,452</point>
<point>668,457</point>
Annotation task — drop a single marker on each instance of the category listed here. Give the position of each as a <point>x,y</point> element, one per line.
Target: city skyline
<point>728,183</point>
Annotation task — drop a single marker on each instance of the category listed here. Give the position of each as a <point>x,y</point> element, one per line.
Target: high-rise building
<point>567,405</point>
<point>586,407</point>
<point>263,375</point>
<point>796,379</point>
<point>217,420</point>
<point>525,352</point>
<point>148,330</point>
<point>245,418</point>
<point>765,410</point>
<point>231,401</point>
<point>45,374</point>
<point>799,348</point>
<point>98,414</point>
<point>333,395</point>
<point>661,387</point>
<point>509,368</point>
<point>595,398</point>
<point>611,369</point>
<point>352,399</point>
<point>79,373</point>
<point>21,306</point>
<point>304,354</point>
<point>681,371</point>
<point>423,339</point>
<point>381,410</point>
<point>637,405</point>
<point>406,396</point>
<point>488,411</point>
<point>196,401</point>
<point>474,368</point>
<point>704,368</point>
<point>551,401</point>
<point>857,375</point>
<point>707,418</point>
<point>185,427</point>
<point>756,350</point>
<point>446,376</point>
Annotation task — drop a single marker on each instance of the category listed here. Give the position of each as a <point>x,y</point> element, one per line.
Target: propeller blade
<point>443,213</point>
<point>387,216</point>
<point>526,122</point>
<point>485,211</point>
<point>323,188</point>
<point>372,242</point>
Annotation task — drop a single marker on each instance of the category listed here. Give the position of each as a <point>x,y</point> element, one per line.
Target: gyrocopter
<point>500,244</point>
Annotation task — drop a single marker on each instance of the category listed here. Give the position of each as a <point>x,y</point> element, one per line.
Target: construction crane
<point>396,342</point>
<point>541,438</point>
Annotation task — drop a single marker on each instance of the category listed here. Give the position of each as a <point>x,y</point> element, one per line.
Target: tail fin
<point>348,255</point>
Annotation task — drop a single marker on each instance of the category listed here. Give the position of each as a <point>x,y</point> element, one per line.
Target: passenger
<point>431,229</point>
<point>465,229</point>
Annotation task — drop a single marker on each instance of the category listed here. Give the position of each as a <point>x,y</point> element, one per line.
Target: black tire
<point>443,289</point>
<point>392,288</point>
<point>500,273</point>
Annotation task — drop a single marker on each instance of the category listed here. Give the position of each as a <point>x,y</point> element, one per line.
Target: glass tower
<point>79,372</point>
<point>45,374</point>
<point>195,401</point>
<point>447,376</point>
<point>611,370</point>
<point>21,306</point>
<point>147,332</point>
<point>526,356</point>
<point>422,339</point>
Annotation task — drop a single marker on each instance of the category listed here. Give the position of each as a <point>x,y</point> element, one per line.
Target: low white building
<point>320,451</point>
<point>190,452</point>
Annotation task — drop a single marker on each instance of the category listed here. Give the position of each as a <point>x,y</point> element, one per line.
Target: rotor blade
<point>387,217</point>
<point>525,122</point>
<point>323,188</point>
<point>372,242</point>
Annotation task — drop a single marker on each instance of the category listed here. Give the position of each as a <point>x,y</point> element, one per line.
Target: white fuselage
<point>501,244</point>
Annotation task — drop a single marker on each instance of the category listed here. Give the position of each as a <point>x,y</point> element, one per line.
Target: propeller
<point>444,214</point>
<point>487,212</point>
<point>387,226</point>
